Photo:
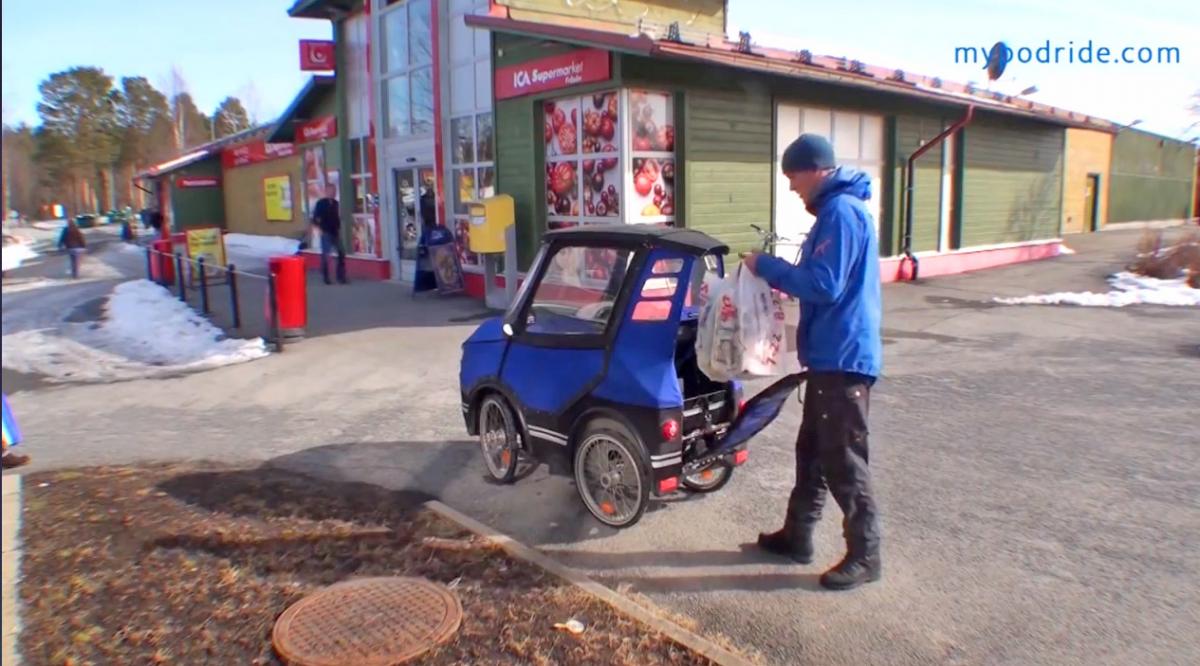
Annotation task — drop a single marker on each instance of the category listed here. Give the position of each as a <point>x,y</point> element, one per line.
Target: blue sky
<point>249,47</point>
<point>246,48</point>
<point>920,36</point>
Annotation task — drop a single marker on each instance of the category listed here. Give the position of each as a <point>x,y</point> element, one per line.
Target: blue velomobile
<point>593,371</point>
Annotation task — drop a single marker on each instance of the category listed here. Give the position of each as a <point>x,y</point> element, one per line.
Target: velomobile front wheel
<point>498,438</point>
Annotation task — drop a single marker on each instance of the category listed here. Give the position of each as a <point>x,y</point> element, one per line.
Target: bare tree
<point>175,86</point>
<point>252,102</point>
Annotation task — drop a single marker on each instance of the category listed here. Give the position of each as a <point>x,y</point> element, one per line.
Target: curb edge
<point>12,485</point>
<point>688,639</point>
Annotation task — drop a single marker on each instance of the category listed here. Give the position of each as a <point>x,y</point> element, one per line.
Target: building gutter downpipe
<point>910,174</point>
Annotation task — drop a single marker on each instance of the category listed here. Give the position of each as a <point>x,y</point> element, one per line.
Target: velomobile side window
<point>577,292</point>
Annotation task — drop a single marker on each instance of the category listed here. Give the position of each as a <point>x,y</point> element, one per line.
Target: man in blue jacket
<point>838,340</point>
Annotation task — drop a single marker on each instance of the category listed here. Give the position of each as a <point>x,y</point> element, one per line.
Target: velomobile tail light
<point>670,430</point>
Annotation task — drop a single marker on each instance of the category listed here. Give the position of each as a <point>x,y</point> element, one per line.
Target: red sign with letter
<point>252,153</point>
<point>560,71</point>
<point>316,55</point>
<point>317,130</point>
<point>197,181</point>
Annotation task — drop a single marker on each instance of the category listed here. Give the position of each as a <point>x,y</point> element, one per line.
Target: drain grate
<point>367,622</point>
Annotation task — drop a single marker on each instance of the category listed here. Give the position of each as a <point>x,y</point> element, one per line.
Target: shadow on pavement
<point>539,508</point>
<point>747,553</point>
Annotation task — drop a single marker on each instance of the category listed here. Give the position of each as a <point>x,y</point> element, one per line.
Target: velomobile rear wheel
<point>710,479</point>
<point>611,474</point>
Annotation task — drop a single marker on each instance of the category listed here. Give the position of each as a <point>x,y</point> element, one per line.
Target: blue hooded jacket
<point>836,281</point>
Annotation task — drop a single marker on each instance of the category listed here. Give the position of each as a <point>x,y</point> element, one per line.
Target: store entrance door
<point>416,211</point>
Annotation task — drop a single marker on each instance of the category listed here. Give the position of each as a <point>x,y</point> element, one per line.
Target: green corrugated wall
<point>727,165</point>
<point>1012,182</point>
<point>198,206</point>
<point>517,168</point>
<point>1152,178</point>
<point>911,132</point>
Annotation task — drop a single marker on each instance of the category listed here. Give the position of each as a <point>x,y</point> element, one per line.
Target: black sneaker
<point>778,543</point>
<point>850,573</point>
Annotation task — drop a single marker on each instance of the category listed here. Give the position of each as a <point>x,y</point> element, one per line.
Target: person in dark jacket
<point>325,216</point>
<point>839,341</point>
<point>73,241</point>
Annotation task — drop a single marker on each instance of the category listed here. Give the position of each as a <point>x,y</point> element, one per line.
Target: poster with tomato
<point>562,127</point>
<point>583,157</point>
<point>653,156</point>
<point>562,189</point>
<point>601,122</point>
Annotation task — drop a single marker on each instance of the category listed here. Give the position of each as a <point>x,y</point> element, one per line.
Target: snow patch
<point>1127,289</point>
<point>15,254</point>
<point>260,247</point>
<point>146,332</point>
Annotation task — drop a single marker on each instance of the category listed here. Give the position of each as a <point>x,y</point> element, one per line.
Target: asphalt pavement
<point>1037,469</point>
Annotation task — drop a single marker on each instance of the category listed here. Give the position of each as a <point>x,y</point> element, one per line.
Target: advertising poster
<point>277,195</point>
<point>653,153</point>
<point>314,176</point>
<point>583,179</point>
<point>362,234</point>
<point>446,269</point>
<point>209,244</point>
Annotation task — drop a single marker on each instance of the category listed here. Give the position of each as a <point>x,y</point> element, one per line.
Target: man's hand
<point>750,261</point>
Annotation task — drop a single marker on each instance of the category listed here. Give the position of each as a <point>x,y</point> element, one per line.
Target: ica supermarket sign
<point>561,71</point>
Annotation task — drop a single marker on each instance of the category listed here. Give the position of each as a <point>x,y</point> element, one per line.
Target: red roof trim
<point>789,63</point>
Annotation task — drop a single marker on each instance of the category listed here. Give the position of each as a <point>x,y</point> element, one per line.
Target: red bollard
<point>162,264</point>
<point>291,294</point>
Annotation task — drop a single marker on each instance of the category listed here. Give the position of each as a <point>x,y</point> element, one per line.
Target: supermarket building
<point>644,112</point>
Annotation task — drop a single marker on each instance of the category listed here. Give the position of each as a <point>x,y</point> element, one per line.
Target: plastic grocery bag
<point>761,325</point>
<point>717,354</point>
<point>741,328</point>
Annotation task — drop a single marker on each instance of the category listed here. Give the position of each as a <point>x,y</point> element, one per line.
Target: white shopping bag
<point>741,328</point>
<point>760,325</point>
<point>717,354</point>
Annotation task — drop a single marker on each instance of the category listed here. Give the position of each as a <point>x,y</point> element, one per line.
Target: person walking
<point>74,242</point>
<point>326,217</point>
<point>839,340</point>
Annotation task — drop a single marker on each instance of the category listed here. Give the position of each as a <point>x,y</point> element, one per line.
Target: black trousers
<point>831,453</point>
<point>329,244</point>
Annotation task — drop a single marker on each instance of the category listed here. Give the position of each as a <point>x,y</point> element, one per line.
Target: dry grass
<point>175,565</point>
<point>1168,259</point>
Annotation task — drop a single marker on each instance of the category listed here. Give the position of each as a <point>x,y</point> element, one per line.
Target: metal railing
<point>198,275</point>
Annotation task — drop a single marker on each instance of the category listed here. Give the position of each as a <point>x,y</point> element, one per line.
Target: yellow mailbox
<point>490,219</point>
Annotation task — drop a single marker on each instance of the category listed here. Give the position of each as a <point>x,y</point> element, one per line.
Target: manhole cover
<point>367,622</point>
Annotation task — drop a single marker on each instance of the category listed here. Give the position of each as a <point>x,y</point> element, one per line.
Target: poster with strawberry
<point>651,117</point>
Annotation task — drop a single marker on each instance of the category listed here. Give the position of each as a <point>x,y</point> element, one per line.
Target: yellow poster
<point>278,193</point>
<point>209,244</point>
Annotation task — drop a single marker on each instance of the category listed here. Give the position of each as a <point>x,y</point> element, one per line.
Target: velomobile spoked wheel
<point>611,476</point>
<point>498,438</point>
<point>710,479</point>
